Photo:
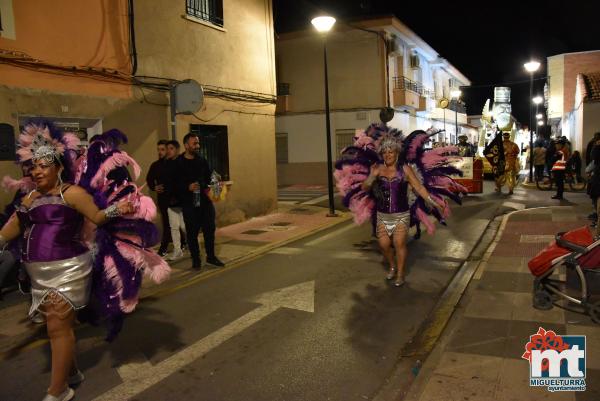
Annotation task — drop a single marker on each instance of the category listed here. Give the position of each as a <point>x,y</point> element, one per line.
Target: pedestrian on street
<point>594,184</point>
<point>559,166</point>
<point>174,211</point>
<point>539,160</point>
<point>193,178</point>
<point>590,147</point>
<point>156,179</point>
<point>511,153</point>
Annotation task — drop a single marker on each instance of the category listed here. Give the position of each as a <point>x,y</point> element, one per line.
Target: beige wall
<point>239,56</point>
<point>355,63</point>
<point>142,123</point>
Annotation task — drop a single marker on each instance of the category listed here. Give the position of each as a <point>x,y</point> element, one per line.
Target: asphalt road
<point>314,320</point>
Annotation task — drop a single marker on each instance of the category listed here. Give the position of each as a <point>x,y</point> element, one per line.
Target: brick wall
<point>577,63</point>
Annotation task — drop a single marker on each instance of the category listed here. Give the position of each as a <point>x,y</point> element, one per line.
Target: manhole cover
<point>254,232</point>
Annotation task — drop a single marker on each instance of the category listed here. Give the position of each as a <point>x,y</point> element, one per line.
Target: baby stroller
<point>577,250</point>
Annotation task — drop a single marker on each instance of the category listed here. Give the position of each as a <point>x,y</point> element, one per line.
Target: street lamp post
<point>531,67</point>
<point>455,94</point>
<point>323,24</point>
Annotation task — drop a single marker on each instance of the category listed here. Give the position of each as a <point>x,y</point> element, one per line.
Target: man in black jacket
<point>156,179</point>
<point>198,210</point>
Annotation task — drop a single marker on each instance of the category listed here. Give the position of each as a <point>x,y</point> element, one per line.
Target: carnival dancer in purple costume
<point>375,177</point>
<point>66,265</point>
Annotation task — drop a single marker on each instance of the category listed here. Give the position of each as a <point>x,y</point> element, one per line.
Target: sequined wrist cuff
<point>112,211</point>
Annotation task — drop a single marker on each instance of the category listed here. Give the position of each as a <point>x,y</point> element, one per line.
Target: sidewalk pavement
<point>478,356</point>
<point>235,244</point>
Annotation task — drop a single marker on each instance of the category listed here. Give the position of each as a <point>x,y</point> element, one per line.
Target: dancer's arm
<point>83,202</point>
<point>10,231</point>
<point>419,188</point>
<point>368,183</point>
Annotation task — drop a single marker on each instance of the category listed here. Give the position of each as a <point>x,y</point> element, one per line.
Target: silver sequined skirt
<point>391,220</point>
<point>70,279</point>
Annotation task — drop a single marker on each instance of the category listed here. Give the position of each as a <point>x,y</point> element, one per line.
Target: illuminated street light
<point>540,123</point>
<point>532,66</point>
<point>455,94</point>
<point>323,24</point>
<point>539,116</point>
<point>537,100</point>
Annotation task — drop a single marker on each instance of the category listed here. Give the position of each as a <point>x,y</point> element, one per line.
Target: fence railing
<point>413,86</point>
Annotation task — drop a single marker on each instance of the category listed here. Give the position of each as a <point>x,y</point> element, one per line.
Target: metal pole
<point>456,120</point>
<point>328,134</point>
<point>530,127</point>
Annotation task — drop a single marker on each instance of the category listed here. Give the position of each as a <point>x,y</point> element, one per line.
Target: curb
<point>189,278</point>
<point>432,356</point>
<point>254,254</point>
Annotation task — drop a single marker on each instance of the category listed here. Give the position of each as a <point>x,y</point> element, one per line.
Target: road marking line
<point>331,235</point>
<point>514,205</point>
<point>139,377</point>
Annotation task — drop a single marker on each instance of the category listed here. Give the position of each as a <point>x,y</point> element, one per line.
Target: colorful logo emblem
<point>556,362</point>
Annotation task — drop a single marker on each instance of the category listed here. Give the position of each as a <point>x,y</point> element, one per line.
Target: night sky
<point>488,45</point>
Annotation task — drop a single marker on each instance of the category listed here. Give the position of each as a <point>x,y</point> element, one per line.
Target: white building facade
<point>372,64</point>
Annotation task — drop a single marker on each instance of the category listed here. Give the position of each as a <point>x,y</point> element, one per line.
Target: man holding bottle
<point>192,179</point>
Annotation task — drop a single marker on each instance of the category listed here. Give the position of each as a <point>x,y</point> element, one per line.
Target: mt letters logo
<point>556,362</point>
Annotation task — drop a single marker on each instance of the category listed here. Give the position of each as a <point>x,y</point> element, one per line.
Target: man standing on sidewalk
<point>193,177</point>
<point>156,179</point>
<point>175,212</point>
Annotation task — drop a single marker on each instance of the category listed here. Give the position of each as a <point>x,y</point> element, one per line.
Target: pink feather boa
<point>24,185</point>
<point>120,159</point>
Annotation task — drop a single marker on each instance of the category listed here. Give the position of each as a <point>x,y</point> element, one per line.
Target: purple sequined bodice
<point>51,230</point>
<point>391,194</point>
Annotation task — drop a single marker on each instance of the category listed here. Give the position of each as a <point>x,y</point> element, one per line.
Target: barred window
<point>207,10</point>
<point>214,147</point>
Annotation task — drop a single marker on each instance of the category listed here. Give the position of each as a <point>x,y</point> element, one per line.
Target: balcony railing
<point>410,85</point>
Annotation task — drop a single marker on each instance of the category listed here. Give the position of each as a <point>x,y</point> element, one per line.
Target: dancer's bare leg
<point>385,243</point>
<point>60,319</point>
<point>400,235</point>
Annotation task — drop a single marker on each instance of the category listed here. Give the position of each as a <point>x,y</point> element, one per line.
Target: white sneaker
<point>176,254</point>
<point>66,395</point>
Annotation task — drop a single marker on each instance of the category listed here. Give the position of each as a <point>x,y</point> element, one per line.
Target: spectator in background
<point>590,147</point>
<point>156,179</point>
<point>539,160</point>
<point>594,184</point>
<point>574,165</point>
<point>559,166</point>
<point>175,211</point>
<point>193,178</point>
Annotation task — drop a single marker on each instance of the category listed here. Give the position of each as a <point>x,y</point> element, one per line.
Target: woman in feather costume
<point>66,260</point>
<point>376,175</point>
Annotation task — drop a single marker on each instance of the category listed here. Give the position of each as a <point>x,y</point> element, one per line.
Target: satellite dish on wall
<point>189,96</point>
